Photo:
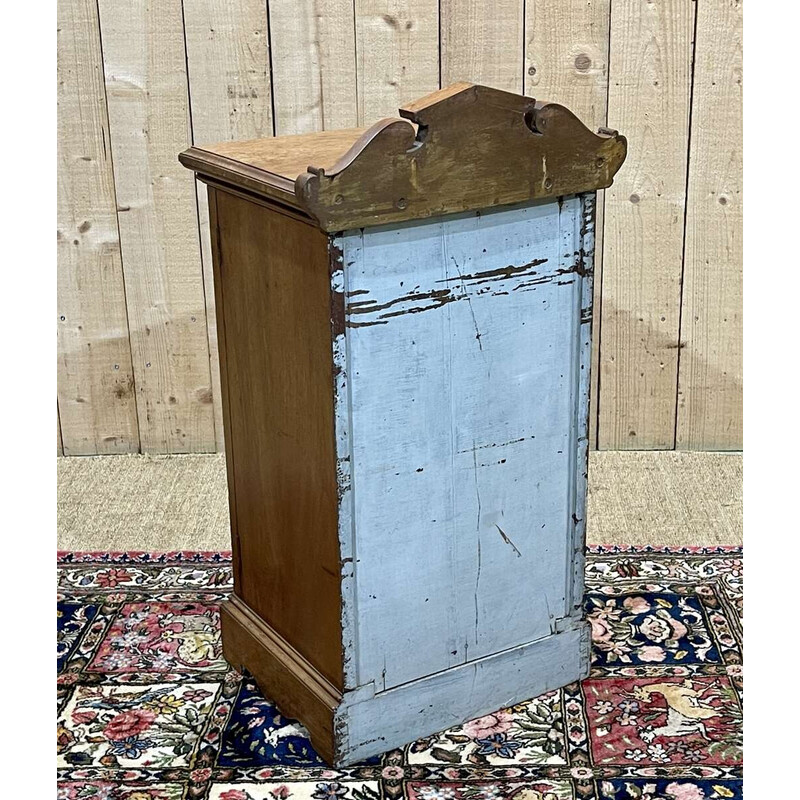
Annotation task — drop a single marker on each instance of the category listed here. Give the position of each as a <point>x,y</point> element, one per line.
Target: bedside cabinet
<point>404,318</point>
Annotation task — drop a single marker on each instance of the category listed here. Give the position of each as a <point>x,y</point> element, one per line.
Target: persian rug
<point>149,710</point>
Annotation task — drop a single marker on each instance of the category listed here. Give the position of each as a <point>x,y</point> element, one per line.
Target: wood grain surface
<point>566,59</point>
<point>347,63</point>
<point>274,297</point>
<point>483,43</point>
<point>227,55</point>
<point>148,107</point>
<point>649,98</point>
<point>313,61</point>
<point>96,393</point>
<point>397,54</point>
<point>461,148</point>
<point>710,375</point>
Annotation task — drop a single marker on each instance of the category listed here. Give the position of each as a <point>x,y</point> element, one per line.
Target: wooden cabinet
<point>404,318</point>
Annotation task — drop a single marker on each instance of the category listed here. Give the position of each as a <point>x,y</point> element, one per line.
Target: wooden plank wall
<point>138,82</point>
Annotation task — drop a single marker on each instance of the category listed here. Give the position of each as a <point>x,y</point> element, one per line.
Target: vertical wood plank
<point>227,55</point>
<point>710,375</point>
<point>397,44</point>
<point>483,43</point>
<point>566,55</point>
<point>649,74</point>
<point>145,65</point>
<point>95,377</point>
<point>313,65</point>
<point>566,61</point>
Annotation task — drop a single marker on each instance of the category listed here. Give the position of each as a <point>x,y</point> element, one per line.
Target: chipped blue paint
<point>462,377</point>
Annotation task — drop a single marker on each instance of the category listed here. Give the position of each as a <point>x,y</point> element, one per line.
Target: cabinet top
<point>462,148</point>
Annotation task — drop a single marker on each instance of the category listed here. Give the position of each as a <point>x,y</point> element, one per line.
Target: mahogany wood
<point>304,693</point>
<point>274,300</point>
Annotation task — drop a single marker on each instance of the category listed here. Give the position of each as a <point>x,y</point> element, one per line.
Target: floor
<point>157,503</point>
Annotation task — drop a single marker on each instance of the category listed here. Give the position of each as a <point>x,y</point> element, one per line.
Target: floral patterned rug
<point>149,710</point>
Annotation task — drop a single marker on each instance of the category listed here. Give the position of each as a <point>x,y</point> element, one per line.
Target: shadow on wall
<point>659,394</point>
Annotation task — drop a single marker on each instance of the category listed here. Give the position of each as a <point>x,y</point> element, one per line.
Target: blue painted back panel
<point>464,384</point>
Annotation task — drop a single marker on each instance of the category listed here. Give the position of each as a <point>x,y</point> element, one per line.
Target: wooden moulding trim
<point>273,204</point>
<point>463,148</point>
<point>299,690</point>
<point>229,171</point>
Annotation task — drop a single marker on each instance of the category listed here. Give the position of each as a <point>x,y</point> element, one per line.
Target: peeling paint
<point>417,301</point>
<point>464,443</point>
<point>500,273</point>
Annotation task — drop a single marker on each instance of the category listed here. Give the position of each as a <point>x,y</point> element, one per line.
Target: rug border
<point>224,556</point>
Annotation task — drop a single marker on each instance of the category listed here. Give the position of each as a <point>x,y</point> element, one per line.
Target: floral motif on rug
<point>149,710</point>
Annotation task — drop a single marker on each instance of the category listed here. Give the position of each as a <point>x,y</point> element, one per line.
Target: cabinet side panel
<point>466,368</point>
<point>274,291</point>
<point>221,351</point>
<point>584,233</point>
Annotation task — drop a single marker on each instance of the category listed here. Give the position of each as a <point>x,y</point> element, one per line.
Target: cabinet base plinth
<point>289,680</point>
<point>347,728</point>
